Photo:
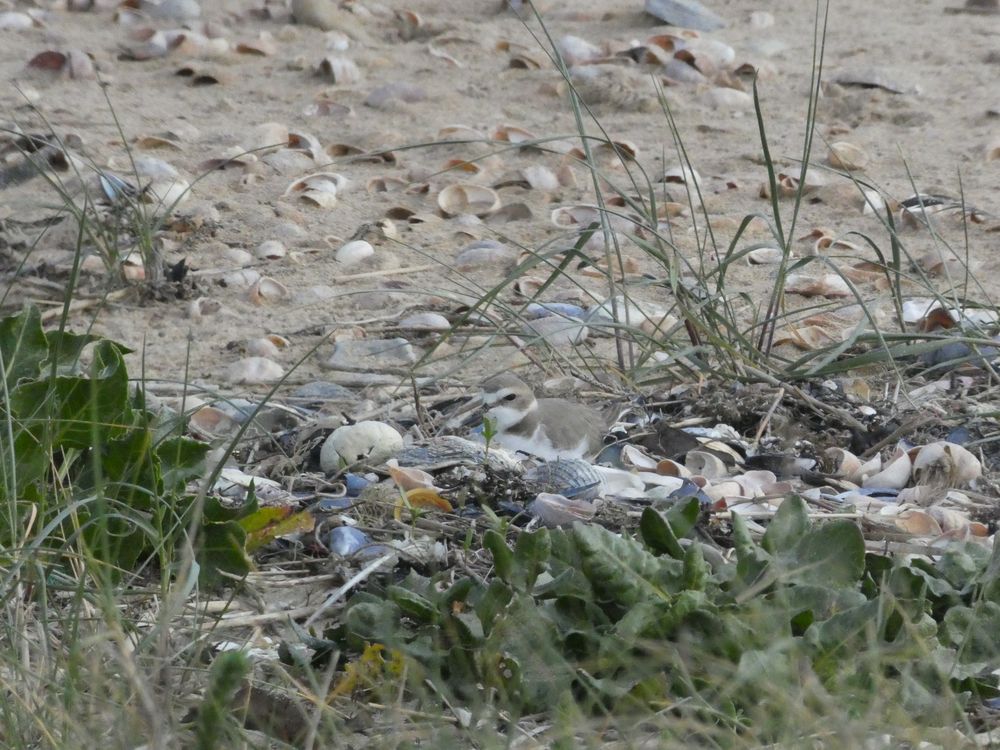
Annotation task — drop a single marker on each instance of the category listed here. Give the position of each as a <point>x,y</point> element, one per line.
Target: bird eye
<point>510,397</point>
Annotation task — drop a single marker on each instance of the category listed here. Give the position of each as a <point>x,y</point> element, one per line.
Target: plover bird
<point>549,428</point>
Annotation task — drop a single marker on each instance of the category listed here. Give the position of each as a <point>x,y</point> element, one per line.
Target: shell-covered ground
<point>419,86</point>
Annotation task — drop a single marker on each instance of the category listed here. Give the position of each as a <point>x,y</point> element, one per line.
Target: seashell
<point>513,134</point>
<point>306,143</point>
<point>670,468</point>
<point>847,156</point>
<point>895,475</point>
<point>460,133</point>
<point>270,250</point>
<point>993,150</point>
<point>265,346</point>
<point>689,14</point>
<point>873,202</point>
<point>266,290</point>
<point>683,175</point>
<point>209,422</point>
<point>409,478</point>
<point>366,442</point>
<point>338,69</point>
<point>916,522</point>
<point>489,253</point>
<point>722,97</point>
<point>829,285</point>
<point>425,321</point>
<point>705,464</point>
<point>553,511</point>
<point>633,457</point>
<point>354,252</point>
<point>319,189</point>
<point>245,278</point>
<point>571,477</point>
<point>943,464</point>
<point>557,331</point>
<point>766,255</point>
<point>167,194</point>
<point>578,51</point>
<point>13,21</point>
<point>254,371</point>
<point>346,541</point>
<point>264,45</point>
<point>466,198</point>
<point>541,178</point>
<point>203,307</point>
<point>845,464</point>
<point>546,309</point>
<point>683,71</point>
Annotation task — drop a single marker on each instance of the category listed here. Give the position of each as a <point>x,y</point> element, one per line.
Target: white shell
<point>267,290</point>
<point>894,476</point>
<point>847,156</point>
<point>765,255</point>
<point>354,252</point>
<point>683,175</point>
<point>368,442</point>
<point>466,198</point>
<point>320,189</point>
<point>270,250</point>
<point>723,97</point>
<point>705,464</point>
<point>254,370</point>
<point>425,321</point>
<point>485,253</point>
<point>943,464</point>
<point>340,69</point>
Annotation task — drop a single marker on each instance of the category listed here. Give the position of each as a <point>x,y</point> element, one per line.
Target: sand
<point>454,68</point>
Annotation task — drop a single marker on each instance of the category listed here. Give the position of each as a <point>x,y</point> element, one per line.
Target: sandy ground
<point>455,68</point>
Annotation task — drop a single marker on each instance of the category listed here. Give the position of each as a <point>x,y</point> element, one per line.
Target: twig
<point>358,578</point>
<point>767,417</point>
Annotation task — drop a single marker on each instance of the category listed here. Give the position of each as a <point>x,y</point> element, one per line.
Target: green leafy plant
<point>86,470</point>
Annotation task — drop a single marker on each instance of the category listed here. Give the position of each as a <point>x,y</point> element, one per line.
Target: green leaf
<point>503,558</point>
<point>832,554</point>
<point>621,570</point>
<point>222,549</point>
<point>751,560</point>
<point>181,460</point>
<point>65,349</point>
<point>682,516</point>
<point>267,524</point>
<point>531,554</point>
<point>23,347</point>
<point>413,604</point>
<point>658,535</point>
<point>788,526</point>
<point>696,571</point>
<point>78,412</point>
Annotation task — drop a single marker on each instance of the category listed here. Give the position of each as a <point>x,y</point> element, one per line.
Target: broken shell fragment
<point>894,476</point>
<point>847,156</point>
<point>765,255</point>
<point>466,198</point>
